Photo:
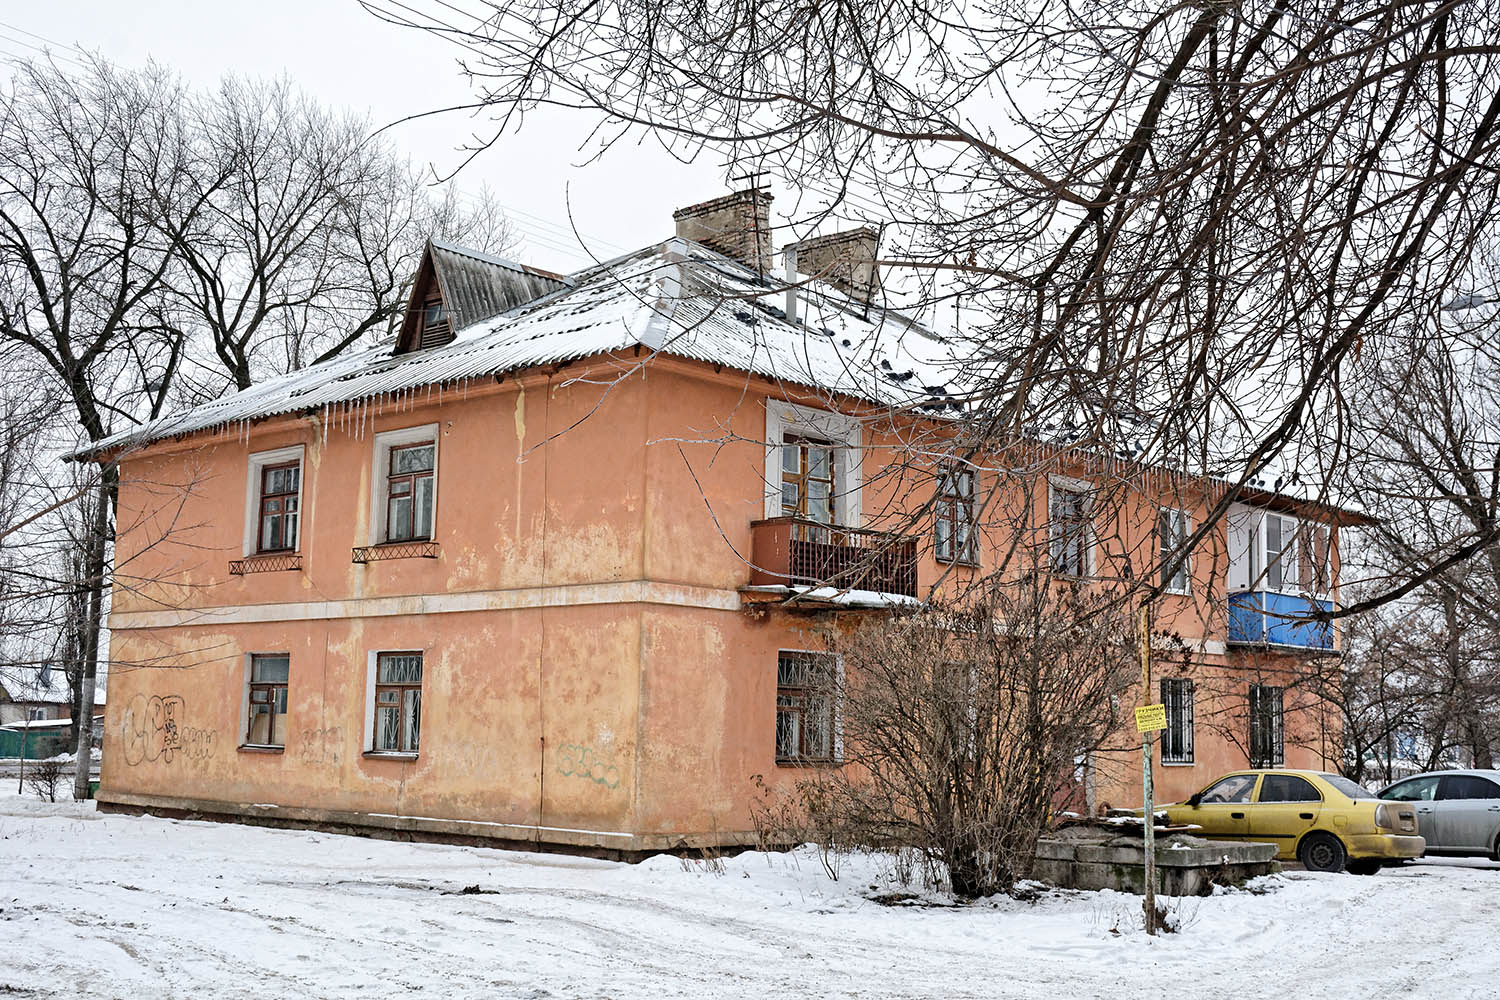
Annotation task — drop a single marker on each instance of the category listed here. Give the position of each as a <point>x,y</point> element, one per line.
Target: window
<point>1281,552</point>
<point>1177,738</point>
<point>954,532</point>
<point>1235,788</point>
<point>36,715</point>
<point>1414,790</point>
<point>807,479</point>
<point>1172,530</point>
<point>1267,744</point>
<point>267,715</point>
<point>398,702</point>
<point>1468,786</point>
<point>1287,788</point>
<point>1314,568</point>
<point>435,326</point>
<point>404,485</point>
<point>805,718</point>
<point>280,492</point>
<point>1070,531</point>
<point>408,508</point>
<point>834,458</point>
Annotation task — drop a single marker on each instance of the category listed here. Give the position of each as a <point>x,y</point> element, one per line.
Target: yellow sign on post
<point>1150,718</point>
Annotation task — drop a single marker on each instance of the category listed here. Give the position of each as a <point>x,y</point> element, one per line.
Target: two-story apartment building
<point>544,571</point>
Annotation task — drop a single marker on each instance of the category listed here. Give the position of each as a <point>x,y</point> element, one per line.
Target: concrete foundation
<point>1100,858</point>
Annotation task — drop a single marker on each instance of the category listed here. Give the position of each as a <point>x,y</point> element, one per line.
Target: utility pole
<point>1147,727</point>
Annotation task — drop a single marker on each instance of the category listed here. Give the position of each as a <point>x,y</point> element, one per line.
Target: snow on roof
<point>28,683</point>
<point>676,298</point>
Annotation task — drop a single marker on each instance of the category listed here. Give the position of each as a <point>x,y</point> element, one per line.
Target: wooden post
<point>1149,844</point>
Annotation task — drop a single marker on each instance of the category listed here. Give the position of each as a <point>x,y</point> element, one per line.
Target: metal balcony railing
<point>793,551</point>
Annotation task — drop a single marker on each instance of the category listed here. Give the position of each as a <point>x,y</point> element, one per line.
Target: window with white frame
<point>266,700</point>
<point>1070,529</point>
<point>1267,733</point>
<point>1172,530</point>
<point>1281,553</point>
<point>273,502</point>
<point>954,534</point>
<point>397,722</point>
<point>806,708</point>
<point>1177,738</point>
<point>403,500</point>
<point>809,452</point>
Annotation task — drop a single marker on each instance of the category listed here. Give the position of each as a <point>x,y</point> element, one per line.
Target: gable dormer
<point>456,287</point>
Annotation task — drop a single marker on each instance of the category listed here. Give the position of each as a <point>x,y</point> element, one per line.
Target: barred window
<point>1267,739</point>
<point>805,716</point>
<point>954,530</point>
<point>398,702</point>
<point>1177,738</point>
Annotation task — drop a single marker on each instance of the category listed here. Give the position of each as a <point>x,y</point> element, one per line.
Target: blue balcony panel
<point>1278,619</point>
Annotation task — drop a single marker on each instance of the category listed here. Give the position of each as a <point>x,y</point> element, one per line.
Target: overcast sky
<point>345,57</point>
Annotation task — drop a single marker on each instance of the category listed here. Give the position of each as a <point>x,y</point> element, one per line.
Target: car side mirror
<point>1195,799</point>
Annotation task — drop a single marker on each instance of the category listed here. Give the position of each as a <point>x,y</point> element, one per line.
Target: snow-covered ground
<point>111,906</point>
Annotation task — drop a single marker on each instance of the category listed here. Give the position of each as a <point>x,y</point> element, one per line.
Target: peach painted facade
<point>590,676</point>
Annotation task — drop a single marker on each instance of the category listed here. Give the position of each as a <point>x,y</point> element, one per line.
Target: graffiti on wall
<point>575,760</point>
<point>320,746</point>
<point>154,728</point>
<point>478,758</point>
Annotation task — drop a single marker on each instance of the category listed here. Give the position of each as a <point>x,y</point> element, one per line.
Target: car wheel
<point>1364,866</point>
<point>1322,852</point>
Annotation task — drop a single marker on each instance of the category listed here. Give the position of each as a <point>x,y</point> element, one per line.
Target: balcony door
<point>807,480</point>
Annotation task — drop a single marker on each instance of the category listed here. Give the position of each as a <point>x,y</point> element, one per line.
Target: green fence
<point>38,744</point>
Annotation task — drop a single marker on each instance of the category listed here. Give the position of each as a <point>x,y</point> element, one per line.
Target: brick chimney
<point>844,260</point>
<point>737,225</point>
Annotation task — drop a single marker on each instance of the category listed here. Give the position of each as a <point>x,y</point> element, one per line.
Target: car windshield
<point>1347,787</point>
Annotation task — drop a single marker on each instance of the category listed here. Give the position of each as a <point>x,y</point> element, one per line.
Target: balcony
<point>1267,618</point>
<point>793,552</point>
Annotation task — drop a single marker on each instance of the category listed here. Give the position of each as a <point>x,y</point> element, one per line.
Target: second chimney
<point>737,225</point>
<point>844,260</point>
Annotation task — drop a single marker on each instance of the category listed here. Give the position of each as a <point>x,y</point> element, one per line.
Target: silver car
<point>1458,812</point>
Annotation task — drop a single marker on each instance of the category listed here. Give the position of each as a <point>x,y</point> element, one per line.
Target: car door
<point>1421,792</point>
<point>1223,808</point>
<point>1286,807</point>
<point>1469,810</point>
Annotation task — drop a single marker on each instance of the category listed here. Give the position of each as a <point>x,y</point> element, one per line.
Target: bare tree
<point>309,232</point>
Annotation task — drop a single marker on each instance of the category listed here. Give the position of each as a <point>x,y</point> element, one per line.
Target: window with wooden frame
<point>266,725</point>
<point>954,535</point>
<point>398,702</point>
<point>1177,738</point>
<point>1172,530</point>
<point>1267,733</point>
<point>806,720</point>
<point>280,489</point>
<point>1070,530</point>
<point>807,479</point>
<point>409,492</point>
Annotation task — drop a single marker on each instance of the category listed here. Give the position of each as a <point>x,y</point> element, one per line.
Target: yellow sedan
<point>1325,821</point>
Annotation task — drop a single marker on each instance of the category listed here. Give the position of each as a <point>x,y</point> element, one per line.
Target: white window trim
<point>845,432</point>
<point>259,461</point>
<point>244,734</point>
<point>368,744</point>
<point>384,442</point>
<point>1069,485</point>
<point>838,709</point>
<point>1187,567</point>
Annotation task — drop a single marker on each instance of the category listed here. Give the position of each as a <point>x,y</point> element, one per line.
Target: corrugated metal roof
<point>678,298</point>
<point>477,286</point>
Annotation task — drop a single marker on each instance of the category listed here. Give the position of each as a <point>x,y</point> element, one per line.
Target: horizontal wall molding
<point>562,596</point>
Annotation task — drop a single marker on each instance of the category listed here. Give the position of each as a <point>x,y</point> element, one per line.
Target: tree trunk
<point>98,551</point>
